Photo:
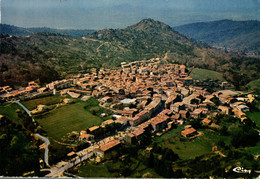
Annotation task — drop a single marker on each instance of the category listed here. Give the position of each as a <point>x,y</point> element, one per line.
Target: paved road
<point>46,158</point>
<point>86,153</point>
<point>56,172</point>
<point>26,110</point>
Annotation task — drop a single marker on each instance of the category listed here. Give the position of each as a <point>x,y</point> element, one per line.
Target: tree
<point>168,154</point>
<point>150,161</point>
<point>196,123</point>
<point>244,138</point>
<point>221,144</point>
<point>224,131</point>
<point>17,153</point>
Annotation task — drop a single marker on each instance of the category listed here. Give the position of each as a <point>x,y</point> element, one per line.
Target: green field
<point>138,169</point>
<point>254,116</point>
<point>189,149</point>
<point>203,74</point>
<point>254,85</point>
<point>9,110</point>
<point>68,118</point>
<point>92,170</point>
<point>49,100</point>
<point>255,150</point>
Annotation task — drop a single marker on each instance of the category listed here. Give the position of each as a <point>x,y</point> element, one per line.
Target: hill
<point>240,37</point>
<point>46,56</point>
<point>20,31</point>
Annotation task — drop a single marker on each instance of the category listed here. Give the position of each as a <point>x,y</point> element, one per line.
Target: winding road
<point>57,171</point>
<point>46,159</point>
<point>24,108</point>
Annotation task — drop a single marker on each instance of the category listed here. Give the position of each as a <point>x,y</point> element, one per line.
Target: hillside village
<point>147,99</point>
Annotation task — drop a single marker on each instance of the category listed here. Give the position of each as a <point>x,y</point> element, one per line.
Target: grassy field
<point>254,116</point>
<point>203,74</point>
<point>9,110</point>
<point>254,85</point>
<point>255,150</point>
<point>68,118</point>
<point>92,170</point>
<point>49,100</point>
<point>189,149</point>
<point>138,169</point>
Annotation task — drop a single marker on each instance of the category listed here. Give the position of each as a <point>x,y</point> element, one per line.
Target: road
<point>62,166</point>
<point>46,156</point>
<point>56,172</point>
<point>46,159</point>
<point>58,169</point>
<point>26,110</point>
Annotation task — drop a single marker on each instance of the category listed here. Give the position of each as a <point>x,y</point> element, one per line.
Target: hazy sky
<point>98,14</point>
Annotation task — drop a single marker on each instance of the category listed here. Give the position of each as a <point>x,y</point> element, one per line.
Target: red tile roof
<point>206,120</point>
<point>182,112</point>
<point>93,128</point>
<point>188,131</point>
<point>109,145</point>
<point>83,136</point>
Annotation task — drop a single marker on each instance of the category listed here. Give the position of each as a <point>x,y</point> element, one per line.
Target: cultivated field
<point>203,74</point>
<point>189,149</point>
<point>64,119</point>
<point>49,100</point>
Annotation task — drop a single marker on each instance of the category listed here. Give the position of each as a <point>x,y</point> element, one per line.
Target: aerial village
<point>147,98</point>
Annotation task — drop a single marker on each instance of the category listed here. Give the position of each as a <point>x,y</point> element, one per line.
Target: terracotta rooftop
<point>108,122</point>
<point>71,154</point>
<point>206,120</point>
<point>109,145</point>
<point>188,131</point>
<point>197,111</point>
<point>93,128</point>
<point>182,112</point>
<point>167,111</point>
<point>82,136</point>
<point>159,119</point>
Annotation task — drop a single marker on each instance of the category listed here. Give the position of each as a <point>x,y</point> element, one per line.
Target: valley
<point>143,101</point>
<point>35,57</point>
<point>145,114</point>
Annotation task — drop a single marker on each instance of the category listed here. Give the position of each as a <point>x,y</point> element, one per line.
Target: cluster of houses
<point>147,95</point>
<point>153,98</point>
<point>7,92</point>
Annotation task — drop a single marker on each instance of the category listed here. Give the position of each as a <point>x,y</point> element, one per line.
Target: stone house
<point>108,150</point>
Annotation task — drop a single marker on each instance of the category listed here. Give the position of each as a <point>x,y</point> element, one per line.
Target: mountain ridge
<point>149,23</point>
<point>239,37</point>
<point>107,48</point>
<point>21,31</point>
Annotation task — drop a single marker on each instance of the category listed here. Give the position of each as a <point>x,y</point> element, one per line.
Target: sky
<point>99,14</point>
